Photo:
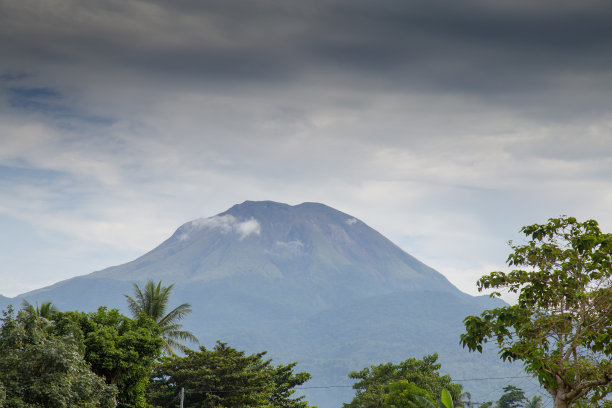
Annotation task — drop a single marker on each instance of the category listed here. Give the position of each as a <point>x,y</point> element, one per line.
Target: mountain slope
<point>307,283</point>
<point>326,254</point>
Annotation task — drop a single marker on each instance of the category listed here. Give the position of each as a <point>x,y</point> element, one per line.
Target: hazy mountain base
<point>331,343</point>
<point>291,323</point>
<point>307,283</point>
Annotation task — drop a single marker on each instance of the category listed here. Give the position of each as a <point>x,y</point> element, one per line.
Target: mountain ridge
<point>289,241</point>
<point>306,282</point>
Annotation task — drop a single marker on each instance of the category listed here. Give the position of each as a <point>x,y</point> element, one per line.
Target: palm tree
<point>535,402</point>
<point>45,309</point>
<point>466,400</point>
<point>153,302</point>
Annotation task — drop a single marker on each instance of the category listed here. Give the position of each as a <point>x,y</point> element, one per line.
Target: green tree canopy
<point>513,397</point>
<point>153,302</point>
<point>403,394</point>
<point>39,368</point>
<point>120,349</point>
<point>225,377</point>
<point>45,309</point>
<point>561,327</point>
<point>375,382</point>
<point>534,402</point>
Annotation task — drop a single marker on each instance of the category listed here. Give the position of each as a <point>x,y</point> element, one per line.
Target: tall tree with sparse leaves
<point>153,302</point>
<point>561,326</point>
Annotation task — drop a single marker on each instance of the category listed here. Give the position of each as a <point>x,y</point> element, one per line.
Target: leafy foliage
<point>39,368</point>
<point>284,380</point>
<point>513,397</point>
<point>534,402</point>
<point>446,401</point>
<point>45,309</point>
<point>118,348</point>
<point>377,382</point>
<point>403,394</point>
<point>225,377</point>
<point>561,327</point>
<point>153,302</point>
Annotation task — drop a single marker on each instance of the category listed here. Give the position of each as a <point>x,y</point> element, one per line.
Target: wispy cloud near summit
<point>226,224</point>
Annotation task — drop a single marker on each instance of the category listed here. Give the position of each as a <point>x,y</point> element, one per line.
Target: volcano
<point>308,283</point>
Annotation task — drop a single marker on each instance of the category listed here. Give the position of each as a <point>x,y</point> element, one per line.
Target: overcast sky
<point>444,125</point>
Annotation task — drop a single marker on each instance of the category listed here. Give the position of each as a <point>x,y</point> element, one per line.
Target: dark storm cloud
<point>545,60</point>
<point>474,47</point>
<point>468,46</point>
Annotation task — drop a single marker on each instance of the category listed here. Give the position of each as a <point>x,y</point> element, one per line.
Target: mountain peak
<point>306,281</point>
<point>267,208</point>
<point>308,243</point>
<point>251,205</point>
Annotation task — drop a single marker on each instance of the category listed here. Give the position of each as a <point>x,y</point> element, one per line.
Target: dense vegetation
<point>379,385</point>
<point>104,359</point>
<point>224,377</point>
<point>42,368</point>
<point>561,326</point>
<point>561,329</point>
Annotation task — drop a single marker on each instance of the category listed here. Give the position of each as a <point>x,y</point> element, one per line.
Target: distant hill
<point>308,283</point>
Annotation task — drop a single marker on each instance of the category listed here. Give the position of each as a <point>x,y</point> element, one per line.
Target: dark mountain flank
<point>307,283</point>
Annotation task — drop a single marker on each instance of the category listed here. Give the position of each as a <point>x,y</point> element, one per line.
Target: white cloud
<point>248,227</point>
<point>226,224</point>
<point>351,221</point>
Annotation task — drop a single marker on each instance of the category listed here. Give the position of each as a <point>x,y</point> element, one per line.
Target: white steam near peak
<point>225,224</point>
<point>351,221</point>
<point>248,227</point>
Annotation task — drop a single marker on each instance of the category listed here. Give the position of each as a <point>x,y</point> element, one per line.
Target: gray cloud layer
<point>478,47</point>
<point>445,124</point>
<point>548,60</point>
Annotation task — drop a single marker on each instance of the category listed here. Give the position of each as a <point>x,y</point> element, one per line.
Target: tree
<point>41,369</point>
<point>403,394</point>
<point>513,397</point>
<point>561,327</point>
<point>446,401</point>
<point>607,403</point>
<point>284,381</point>
<point>153,302</point>
<point>225,377</point>
<point>119,349</point>
<point>45,309</point>
<point>375,381</point>
<point>534,402</point>
<point>466,400</point>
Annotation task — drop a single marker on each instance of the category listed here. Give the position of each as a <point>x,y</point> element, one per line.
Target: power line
<point>346,386</point>
<point>491,378</point>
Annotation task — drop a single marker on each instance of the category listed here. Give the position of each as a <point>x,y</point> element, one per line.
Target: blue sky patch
<point>34,93</point>
<point>48,101</point>
<point>21,174</point>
